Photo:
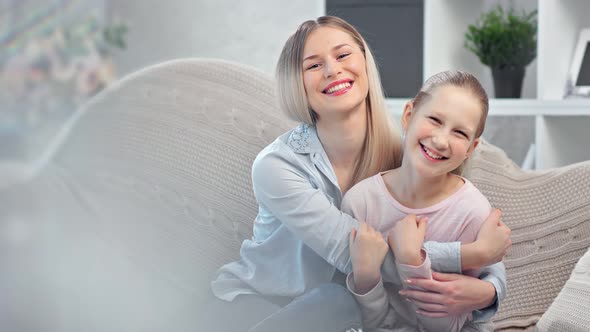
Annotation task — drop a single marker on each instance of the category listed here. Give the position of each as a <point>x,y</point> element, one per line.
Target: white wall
<point>249,32</point>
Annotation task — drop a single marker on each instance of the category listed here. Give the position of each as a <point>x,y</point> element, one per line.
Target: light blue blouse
<point>301,236</point>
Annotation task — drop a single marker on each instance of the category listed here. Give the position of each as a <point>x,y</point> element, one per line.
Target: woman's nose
<point>331,68</point>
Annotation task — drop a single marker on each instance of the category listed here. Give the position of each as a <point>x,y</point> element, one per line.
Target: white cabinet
<point>562,126</point>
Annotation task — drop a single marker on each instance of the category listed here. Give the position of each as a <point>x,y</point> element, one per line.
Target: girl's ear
<point>407,115</point>
<point>472,148</point>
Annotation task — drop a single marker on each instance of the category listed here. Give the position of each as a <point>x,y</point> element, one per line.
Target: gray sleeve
<point>444,256</point>
<point>495,274</point>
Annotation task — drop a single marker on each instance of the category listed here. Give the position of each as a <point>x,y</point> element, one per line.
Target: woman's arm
<point>283,187</point>
<point>453,294</point>
<point>493,240</point>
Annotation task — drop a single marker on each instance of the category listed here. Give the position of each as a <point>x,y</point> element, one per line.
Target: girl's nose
<point>440,140</point>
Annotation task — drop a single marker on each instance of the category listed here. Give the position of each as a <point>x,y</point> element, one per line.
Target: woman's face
<point>334,72</point>
<point>440,135</point>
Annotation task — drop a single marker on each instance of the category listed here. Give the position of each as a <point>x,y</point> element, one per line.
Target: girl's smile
<point>431,154</point>
<point>440,134</point>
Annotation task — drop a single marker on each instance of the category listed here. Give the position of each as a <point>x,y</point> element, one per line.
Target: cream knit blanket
<point>549,214</point>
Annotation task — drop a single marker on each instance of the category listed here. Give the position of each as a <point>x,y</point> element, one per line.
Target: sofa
<point>122,222</point>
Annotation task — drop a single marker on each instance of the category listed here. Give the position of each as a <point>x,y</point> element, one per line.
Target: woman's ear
<point>407,115</point>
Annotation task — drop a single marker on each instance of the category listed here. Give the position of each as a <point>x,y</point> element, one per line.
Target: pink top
<point>455,218</point>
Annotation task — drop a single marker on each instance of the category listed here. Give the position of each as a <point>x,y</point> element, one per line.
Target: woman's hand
<point>406,238</point>
<point>367,253</point>
<point>450,294</point>
<point>493,240</point>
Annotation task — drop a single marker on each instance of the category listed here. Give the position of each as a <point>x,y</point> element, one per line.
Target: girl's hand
<point>406,238</point>
<point>450,294</point>
<point>367,253</point>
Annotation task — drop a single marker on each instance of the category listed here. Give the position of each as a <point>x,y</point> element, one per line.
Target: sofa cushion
<point>548,212</point>
<point>571,309</point>
<point>145,193</point>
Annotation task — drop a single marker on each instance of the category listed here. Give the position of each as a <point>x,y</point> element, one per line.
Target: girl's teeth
<point>430,154</point>
<point>338,87</point>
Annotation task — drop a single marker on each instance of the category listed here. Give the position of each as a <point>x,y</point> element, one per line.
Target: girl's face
<point>440,135</point>
<point>334,72</point>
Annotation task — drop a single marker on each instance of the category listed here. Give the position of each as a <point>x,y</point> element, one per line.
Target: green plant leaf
<point>502,38</point>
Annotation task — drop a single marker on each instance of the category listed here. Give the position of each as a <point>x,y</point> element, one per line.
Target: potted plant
<point>507,43</point>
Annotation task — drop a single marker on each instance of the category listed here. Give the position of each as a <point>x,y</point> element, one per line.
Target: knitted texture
<point>144,194</point>
<point>571,309</point>
<point>548,212</point>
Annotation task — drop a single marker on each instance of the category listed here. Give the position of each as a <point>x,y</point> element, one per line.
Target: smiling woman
<point>334,66</point>
<point>382,144</point>
<point>289,275</point>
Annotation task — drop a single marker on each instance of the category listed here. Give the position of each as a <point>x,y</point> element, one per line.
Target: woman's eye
<point>343,55</point>
<point>315,65</point>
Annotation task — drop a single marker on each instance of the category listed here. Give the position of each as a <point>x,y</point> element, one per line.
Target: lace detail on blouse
<point>299,139</point>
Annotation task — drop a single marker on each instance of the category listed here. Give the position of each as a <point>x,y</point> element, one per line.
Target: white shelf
<point>445,24</point>
<point>519,107</point>
<point>561,125</point>
<point>561,141</point>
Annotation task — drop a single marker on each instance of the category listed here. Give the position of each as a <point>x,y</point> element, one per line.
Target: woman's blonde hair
<point>382,148</point>
<point>459,79</point>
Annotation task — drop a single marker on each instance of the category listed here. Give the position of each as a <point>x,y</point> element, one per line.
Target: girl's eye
<point>343,55</point>
<point>462,133</point>
<point>434,119</point>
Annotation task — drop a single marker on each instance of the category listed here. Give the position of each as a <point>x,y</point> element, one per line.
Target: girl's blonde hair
<point>382,147</point>
<point>459,79</point>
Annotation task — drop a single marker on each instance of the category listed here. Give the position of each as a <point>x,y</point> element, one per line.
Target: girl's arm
<point>457,293</point>
<point>405,240</point>
<point>367,252</point>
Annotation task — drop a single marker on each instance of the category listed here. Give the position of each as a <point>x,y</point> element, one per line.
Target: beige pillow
<point>571,309</point>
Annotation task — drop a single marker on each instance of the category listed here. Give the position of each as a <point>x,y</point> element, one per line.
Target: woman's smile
<point>339,87</point>
<point>334,66</point>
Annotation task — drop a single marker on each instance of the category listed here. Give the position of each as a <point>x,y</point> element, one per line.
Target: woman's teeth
<point>338,87</point>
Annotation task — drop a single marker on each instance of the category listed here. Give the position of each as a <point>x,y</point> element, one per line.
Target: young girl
<point>442,126</point>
